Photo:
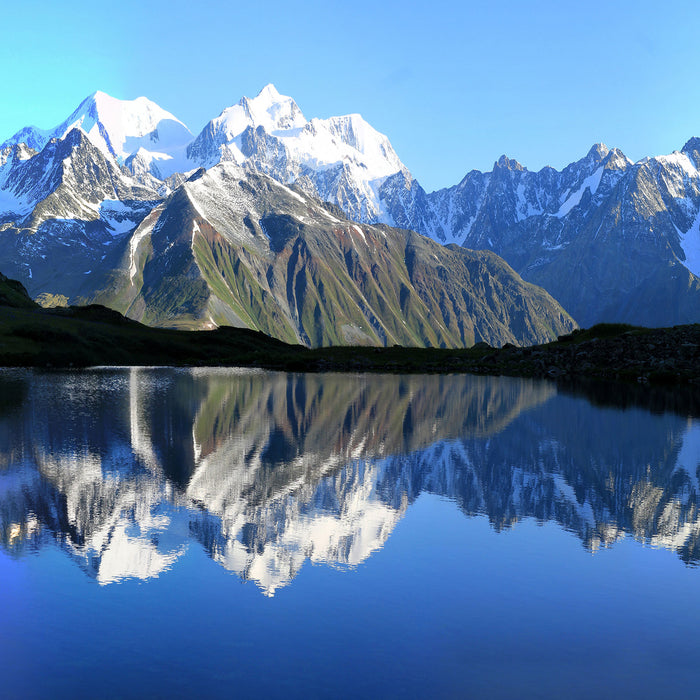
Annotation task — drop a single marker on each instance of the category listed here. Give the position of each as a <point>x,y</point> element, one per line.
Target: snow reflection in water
<point>127,469</point>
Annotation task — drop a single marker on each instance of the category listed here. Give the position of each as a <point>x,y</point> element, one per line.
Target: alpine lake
<point>224,533</point>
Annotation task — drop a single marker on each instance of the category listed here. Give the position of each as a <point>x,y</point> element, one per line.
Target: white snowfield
<point>317,144</point>
<point>340,159</point>
<point>120,128</point>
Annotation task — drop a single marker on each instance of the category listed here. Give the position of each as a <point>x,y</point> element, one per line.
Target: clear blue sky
<point>453,84</point>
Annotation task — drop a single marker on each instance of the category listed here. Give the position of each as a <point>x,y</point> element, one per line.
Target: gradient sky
<point>453,84</point>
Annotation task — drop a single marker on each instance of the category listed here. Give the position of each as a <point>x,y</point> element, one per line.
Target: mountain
<point>66,209</point>
<point>234,247</point>
<point>137,132</point>
<point>611,240</point>
<point>342,160</point>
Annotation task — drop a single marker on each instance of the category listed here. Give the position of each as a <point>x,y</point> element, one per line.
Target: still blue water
<point>234,533</point>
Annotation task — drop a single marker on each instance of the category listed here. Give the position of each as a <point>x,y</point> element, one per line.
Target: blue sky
<point>453,84</point>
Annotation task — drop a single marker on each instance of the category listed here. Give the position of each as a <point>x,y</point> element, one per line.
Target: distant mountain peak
<point>598,151</point>
<point>616,160</point>
<point>120,128</point>
<point>341,159</point>
<point>505,163</point>
<point>125,121</point>
<point>269,109</point>
<point>692,144</point>
<point>269,92</point>
<point>692,150</point>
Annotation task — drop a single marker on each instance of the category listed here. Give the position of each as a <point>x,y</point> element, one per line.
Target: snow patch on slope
<point>524,207</point>
<point>141,232</point>
<point>11,203</point>
<point>680,161</point>
<point>591,183</point>
<point>690,243</point>
<point>117,215</point>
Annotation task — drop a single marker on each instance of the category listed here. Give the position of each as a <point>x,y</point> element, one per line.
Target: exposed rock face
<point>234,247</point>
<point>610,239</point>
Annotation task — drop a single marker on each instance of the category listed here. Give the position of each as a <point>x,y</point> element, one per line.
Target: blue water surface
<point>223,533</point>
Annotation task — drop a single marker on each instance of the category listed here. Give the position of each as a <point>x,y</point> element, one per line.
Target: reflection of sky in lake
<point>579,521</point>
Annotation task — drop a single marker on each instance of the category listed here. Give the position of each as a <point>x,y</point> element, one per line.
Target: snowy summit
<point>121,128</point>
<point>270,133</point>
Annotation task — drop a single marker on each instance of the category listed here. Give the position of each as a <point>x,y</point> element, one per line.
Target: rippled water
<point>230,533</point>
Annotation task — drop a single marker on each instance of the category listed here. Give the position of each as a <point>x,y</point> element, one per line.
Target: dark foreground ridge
<point>94,335</point>
<point>606,351</point>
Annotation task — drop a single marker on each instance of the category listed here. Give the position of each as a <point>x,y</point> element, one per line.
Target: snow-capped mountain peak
<point>119,128</point>
<point>269,109</point>
<point>129,124</point>
<point>340,159</point>
<point>597,152</point>
<point>506,163</point>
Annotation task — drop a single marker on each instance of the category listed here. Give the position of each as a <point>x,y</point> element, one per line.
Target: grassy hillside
<point>94,335</point>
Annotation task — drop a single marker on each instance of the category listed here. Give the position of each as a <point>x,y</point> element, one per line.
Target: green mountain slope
<point>231,247</point>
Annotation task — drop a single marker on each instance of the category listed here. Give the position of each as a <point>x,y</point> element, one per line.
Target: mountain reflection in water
<point>126,469</point>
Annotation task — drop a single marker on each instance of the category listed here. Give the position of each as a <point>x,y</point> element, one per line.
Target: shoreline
<point>94,335</point>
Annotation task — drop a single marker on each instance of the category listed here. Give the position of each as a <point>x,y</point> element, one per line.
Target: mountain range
<point>123,205</point>
<point>228,244</point>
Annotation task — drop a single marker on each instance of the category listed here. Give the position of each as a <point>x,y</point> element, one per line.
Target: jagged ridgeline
<point>234,247</point>
<point>230,247</point>
<point>80,204</point>
<point>612,240</point>
<point>91,215</point>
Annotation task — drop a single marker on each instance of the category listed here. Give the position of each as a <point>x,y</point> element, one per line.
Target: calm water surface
<point>234,533</point>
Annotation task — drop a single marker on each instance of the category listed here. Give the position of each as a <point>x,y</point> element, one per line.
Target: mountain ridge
<point>610,239</point>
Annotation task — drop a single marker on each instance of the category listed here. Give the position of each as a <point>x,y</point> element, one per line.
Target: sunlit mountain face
<point>127,470</point>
